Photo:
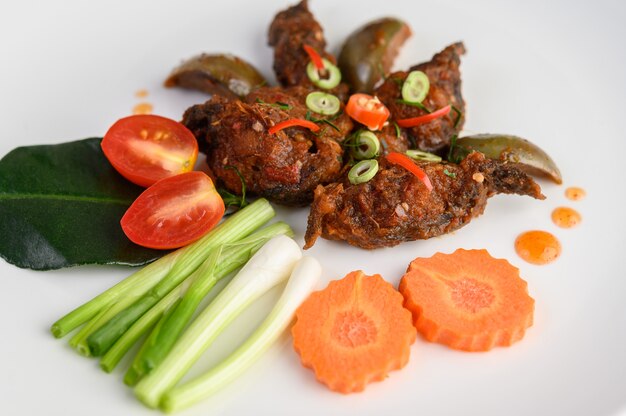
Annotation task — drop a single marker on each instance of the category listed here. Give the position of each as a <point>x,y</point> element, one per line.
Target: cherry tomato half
<point>174,212</point>
<point>367,110</point>
<point>147,148</point>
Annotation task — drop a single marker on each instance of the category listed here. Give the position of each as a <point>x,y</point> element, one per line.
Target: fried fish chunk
<point>284,167</point>
<point>445,88</point>
<point>395,206</point>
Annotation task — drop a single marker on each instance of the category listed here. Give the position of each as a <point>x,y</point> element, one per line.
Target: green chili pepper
<point>367,145</point>
<point>423,156</point>
<point>323,103</point>
<point>415,87</point>
<point>332,77</point>
<point>363,171</point>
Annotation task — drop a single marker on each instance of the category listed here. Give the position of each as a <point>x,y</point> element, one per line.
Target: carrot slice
<point>353,332</point>
<point>467,300</point>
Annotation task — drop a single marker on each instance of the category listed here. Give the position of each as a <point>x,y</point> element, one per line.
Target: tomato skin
<point>148,148</point>
<point>174,212</point>
<point>367,110</point>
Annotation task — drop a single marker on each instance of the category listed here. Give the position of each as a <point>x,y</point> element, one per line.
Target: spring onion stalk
<point>79,341</point>
<point>140,327</point>
<point>234,228</point>
<point>268,267</point>
<point>232,257</point>
<point>137,283</point>
<point>135,373</point>
<point>303,280</point>
<point>165,335</point>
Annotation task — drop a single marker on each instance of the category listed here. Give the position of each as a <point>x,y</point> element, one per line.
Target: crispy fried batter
<point>445,88</point>
<point>395,205</point>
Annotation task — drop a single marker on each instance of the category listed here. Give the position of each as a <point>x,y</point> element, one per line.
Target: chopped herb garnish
<point>327,121</point>
<point>398,132</point>
<point>399,82</point>
<point>414,104</point>
<point>451,150</point>
<point>459,114</point>
<point>230,199</point>
<point>277,104</point>
<point>450,174</point>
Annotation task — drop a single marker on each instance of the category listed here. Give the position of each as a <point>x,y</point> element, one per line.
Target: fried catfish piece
<point>293,100</point>
<point>284,167</point>
<point>445,88</point>
<point>290,29</point>
<point>395,206</point>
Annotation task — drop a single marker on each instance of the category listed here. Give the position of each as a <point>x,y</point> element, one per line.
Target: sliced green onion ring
<point>423,156</point>
<point>323,103</point>
<point>415,87</point>
<point>363,171</point>
<point>367,145</point>
<point>333,75</point>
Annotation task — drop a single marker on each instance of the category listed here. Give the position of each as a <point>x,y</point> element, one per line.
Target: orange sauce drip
<point>143,108</point>
<point>538,247</point>
<point>566,217</point>
<point>575,194</point>
<point>141,94</point>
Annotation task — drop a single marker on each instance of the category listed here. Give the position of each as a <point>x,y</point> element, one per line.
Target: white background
<point>553,72</point>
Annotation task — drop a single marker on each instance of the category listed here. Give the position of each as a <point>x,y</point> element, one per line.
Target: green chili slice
<point>415,87</point>
<point>423,156</point>
<point>366,145</point>
<point>332,77</point>
<point>323,103</point>
<point>363,171</point>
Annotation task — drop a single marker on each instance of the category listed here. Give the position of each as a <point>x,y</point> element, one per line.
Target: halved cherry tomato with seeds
<point>367,110</point>
<point>174,212</point>
<point>147,148</point>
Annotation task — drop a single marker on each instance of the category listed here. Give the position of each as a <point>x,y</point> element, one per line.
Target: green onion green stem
<point>231,257</point>
<point>137,283</point>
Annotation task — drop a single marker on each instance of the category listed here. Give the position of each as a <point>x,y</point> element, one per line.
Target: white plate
<point>552,72</point>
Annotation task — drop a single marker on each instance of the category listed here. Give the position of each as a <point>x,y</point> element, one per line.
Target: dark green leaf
<point>60,206</point>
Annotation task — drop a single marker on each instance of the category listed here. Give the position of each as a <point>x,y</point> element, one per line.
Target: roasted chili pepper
<point>225,75</point>
<point>508,148</point>
<point>368,53</point>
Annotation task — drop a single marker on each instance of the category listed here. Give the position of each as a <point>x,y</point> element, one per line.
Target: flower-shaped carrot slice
<point>353,332</point>
<point>467,300</point>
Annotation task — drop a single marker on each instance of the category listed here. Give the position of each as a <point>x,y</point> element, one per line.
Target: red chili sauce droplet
<point>538,247</point>
<point>566,217</point>
<point>575,193</point>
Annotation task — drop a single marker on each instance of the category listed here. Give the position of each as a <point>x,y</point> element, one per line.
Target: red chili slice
<point>315,57</point>
<point>294,122</point>
<point>367,110</point>
<point>407,163</point>
<point>416,121</point>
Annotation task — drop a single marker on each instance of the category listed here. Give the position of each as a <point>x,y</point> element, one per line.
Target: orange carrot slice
<point>467,300</point>
<point>353,332</point>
